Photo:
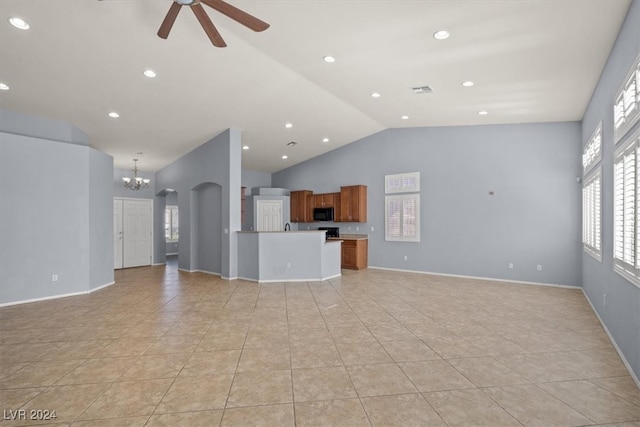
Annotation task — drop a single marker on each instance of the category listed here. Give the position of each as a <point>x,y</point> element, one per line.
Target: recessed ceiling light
<point>441,35</point>
<point>288,125</point>
<point>113,115</point>
<point>245,147</point>
<point>467,83</point>
<point>483,113</point>
<point>329,59</point>
<point>405,117</point>
<point>375,95</point>
<point>19,23</point>
<point>285,157</point>
<point>325,139</point>
<point>150,73</point>
<point>4,86</point>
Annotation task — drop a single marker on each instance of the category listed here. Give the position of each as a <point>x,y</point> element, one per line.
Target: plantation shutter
<point>625,215</point>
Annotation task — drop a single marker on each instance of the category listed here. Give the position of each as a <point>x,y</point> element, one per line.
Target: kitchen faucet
<point>287,227</point>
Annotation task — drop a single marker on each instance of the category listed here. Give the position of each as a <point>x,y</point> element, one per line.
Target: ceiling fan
<point>221,6</point>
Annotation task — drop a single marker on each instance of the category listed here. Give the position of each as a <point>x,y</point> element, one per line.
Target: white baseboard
<point>615,345</point>
<point>101,287</point>
<point>172,253</point>
<point>490,279</point>
<point>50,297</point>
<point>209,272</point>
<point>289,280</point>
<point>158,263</point>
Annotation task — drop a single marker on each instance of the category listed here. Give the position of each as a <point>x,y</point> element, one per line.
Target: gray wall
<point>70,183</point>
<point>531,219</point>
<point>209,222</point>
<point>217,162</point>
<point>41,127</point>
<point>621,314</point>
<point>100,219</point>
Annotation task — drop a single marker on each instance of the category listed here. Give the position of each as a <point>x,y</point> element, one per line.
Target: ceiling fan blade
<point>236,14</point>
<point>208,26</point>
<point>166,25</point>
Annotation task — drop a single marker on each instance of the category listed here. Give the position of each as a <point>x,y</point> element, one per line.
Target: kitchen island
<point>287,256</point>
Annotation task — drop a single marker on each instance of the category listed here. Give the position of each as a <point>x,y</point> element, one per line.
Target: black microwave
<point>323,214</point>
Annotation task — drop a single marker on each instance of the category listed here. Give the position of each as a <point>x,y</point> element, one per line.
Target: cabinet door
<point>336,207</point>
<point>300,210</point>
<point>349,254</point>
<point>353,203</point>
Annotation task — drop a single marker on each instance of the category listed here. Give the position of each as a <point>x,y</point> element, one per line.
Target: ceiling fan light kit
<point>221,6</point>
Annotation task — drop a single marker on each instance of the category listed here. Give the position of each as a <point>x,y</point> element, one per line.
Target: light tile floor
<point>166,348</point>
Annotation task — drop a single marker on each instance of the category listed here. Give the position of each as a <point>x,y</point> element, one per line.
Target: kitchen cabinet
<point>325,200</point>
<point>300,206</point>
<point>355,253</point>
<point>353,203</point>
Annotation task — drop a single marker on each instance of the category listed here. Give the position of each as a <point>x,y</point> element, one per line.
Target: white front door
<point>137,232</point>
<point>117,233</point>
<point>269,215</point>
<point>132,240</point>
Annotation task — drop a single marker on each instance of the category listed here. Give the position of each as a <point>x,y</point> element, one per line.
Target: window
<point>591,195</point>
<point>593,150</point>
<point>402,218</point>
<point>171,224</point>
<point>402,207</point>
<point>591,211</point>
<point>626,212</point>
<point>626,110</point>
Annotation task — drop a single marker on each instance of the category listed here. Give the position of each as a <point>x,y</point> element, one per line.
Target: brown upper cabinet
<point>300,205</point>
<point>353,203</point>
<point>326,200</point>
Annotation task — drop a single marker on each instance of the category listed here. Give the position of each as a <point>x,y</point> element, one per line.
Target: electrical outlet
<point>604,299</point>
<point>405,257</point>
<point>357,228</point>
<point>539,267</point>
<point>373,228</point>
<point>288,265</point>
<point>54,277</point>
<point>510,266</point>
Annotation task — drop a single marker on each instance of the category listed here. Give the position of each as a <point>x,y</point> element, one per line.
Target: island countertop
<point>350,237</point>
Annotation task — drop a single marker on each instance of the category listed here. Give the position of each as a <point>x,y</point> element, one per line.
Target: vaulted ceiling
<point>529,60</point>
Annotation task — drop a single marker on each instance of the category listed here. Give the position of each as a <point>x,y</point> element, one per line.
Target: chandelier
<point>135,183</point>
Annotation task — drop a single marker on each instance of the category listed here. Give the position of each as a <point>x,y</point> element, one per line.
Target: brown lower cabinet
<point>355,253</point>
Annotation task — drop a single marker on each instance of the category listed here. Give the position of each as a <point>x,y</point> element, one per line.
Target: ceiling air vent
<point>419,90</point>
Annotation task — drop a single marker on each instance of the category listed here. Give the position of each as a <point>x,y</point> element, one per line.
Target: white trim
<point>635,281</point>
<point>72,294</point>
<point>290,280</point>
<point>187,271</point>
<point>171,253</point>
<point>613,342</point>
<point>101,287</point>
<point>208,272</point>
<point>490,279</point>
<point>156,264</point>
